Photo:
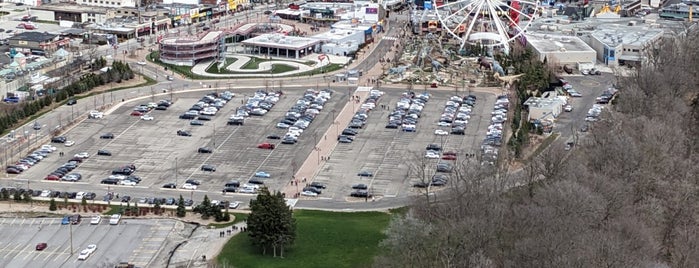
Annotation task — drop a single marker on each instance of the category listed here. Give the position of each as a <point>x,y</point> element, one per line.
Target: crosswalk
<point>389,38</point>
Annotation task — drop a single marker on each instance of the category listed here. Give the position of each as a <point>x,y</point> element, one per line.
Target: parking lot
<point>163,157</point>
<point>138,241</point>
<point>387,153</point>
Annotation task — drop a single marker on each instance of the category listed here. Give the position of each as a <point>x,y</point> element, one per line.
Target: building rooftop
<point>557,43</point>
<point>33,37</point>
<point>335,34</point>
<point>282,41</point>
<point>207,38</point>
<point>67,7</point>
<point>614,34</point>
<point>539,102</point>
<point>348,24</point>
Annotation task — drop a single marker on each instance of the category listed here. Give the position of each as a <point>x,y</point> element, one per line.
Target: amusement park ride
<point>478,28</point>
<point>490,23</point>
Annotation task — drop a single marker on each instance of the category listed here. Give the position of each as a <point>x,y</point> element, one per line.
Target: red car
<point>449,153</point>
<point>266,145</point>
<point>52,178</point>
<point>41,246</point>
<point>136,113</point>
<point>449,157</point>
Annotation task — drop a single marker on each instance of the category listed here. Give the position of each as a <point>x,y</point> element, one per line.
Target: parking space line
<point>13,221</point>
<point>5,249</point>
<point>212,154</point>
<point>23,220</point>
<point>64,252</point>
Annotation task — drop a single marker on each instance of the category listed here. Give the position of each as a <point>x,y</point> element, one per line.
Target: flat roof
<point>66,7</point>
<point>281,41</point>
<point>206,39</point>
<point>336,34</point>
<point>557,43</point>
<point>614,35</point>
<point>33,36</point>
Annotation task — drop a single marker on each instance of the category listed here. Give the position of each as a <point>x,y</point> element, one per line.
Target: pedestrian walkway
<point>326,144</point>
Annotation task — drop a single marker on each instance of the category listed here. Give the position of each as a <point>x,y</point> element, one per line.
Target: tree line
<point>12,114</point>
<point>626,196</point>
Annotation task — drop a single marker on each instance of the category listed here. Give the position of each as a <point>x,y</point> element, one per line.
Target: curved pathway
<point>266,66</point>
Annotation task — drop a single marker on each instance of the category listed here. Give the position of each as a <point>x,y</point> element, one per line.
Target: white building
<point>616,44</point>
<point>280,45</point>
<point>561,50</point>
<point>108,3</point>
<point>545,108</point>
<point>340,42</point>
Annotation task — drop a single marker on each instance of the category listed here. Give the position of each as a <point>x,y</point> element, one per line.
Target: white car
<point>84,254</point>
<point>127,183</point>
<point>147,117</point>
<point>308,193</point>
<point>568,108</point>
<point>91,248</point>
<point>96,219</point>
<point>96,114</point>
<point>82,155</point>
<point>432,155</point>
<point>247,190</point>
<point>444,124</point>
<point>189,186</point>
<point>69,143</point>
<point>48,147</point>
<point>114,219</point>
<point>45,193</point>
<point>233,205</point>
<point>441,132</point>
<point>141,63</point>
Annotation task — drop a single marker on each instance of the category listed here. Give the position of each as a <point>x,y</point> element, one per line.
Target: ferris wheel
<point>491,23</point>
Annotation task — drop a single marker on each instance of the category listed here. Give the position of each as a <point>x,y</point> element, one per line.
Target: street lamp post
<point>175,171</point>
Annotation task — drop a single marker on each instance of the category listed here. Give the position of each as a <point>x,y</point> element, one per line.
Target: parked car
<point>104,152</point>
<point>262,174</point>
<point>365,173</point>
<point>266,145</point>
<point>170,186</point>
<point>184,133</point>
<point>41,246</point>
<point>205,150</point>
<point>107,135</point>
<point>207,167</point>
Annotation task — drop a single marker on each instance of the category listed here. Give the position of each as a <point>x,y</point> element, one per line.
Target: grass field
<point>323,239</point>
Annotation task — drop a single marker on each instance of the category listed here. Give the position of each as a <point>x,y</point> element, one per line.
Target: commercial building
<point>368,28</point>
<point>340,42</point>
<point>73,12</point>
<point>278,45</point>
<point>546,108</point>
<point>561,49</point>
<point>184,51</point>
<point>621,45</point>
<point>39,43</point>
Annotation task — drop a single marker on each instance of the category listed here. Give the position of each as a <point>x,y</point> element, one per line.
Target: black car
<point>72,102</point>
<point>104,152</point>
<point>193,182</point>
<point>187,116</point>
<point>170,186</point>
<point>196,123</point>
<point>365,173</point>
<point>433,147</point>
<point>125,198</point>
<point>123,171</point>
<point>317,185</point>
<point>207,167</point>
<point>184,133</point>
<point>229,189</point>
<point>420,185</point>
<point>360,193</point>
<point>58,139</point>
<point>110,181</point>
<point>205,150</point>
<point>458,131</point>
<point>107,135</point>
<point>204,118</point>
<point>255,181</point>
<point>232,184</point>
<point>12,170</point>
<point>349,132</point>
<point>274,137</point>
<point>161,108</point>
<point>312,189</point>
<point>236,122</point>
<point>360,186</point>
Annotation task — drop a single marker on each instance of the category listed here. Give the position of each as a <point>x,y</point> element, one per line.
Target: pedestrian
<point>326,137</point>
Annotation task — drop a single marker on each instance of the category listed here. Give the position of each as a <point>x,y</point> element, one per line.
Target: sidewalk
<point>325,146</point>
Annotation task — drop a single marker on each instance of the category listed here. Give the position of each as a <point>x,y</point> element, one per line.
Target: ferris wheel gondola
<point>490,23</point>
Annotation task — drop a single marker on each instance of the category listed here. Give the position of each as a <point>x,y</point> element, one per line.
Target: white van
<point>114,220</point>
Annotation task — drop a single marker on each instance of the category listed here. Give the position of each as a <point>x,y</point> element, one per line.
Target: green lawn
<point>213,68</point>
<point>324,239</point>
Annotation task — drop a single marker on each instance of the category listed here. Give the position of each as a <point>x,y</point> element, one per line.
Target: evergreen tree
<point>181,211</point>
<point>271,223</point>
<point>17,196</point>
<point>5,194</point>
<point>52,205</point>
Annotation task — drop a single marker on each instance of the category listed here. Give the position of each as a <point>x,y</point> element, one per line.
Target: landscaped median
<point>323,239</point>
